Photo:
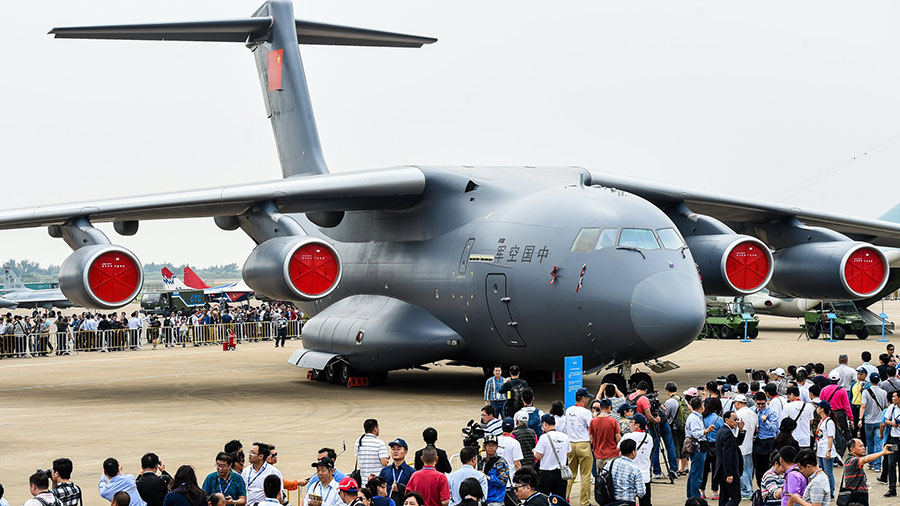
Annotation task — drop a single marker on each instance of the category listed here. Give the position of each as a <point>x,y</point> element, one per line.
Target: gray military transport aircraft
<point>404,266</point>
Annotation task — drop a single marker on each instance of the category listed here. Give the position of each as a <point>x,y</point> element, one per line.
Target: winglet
<point>893,215</point>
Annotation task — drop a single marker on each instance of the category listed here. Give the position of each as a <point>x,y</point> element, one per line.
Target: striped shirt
<point>492,389</point>
<point>68,494</point>
<point>627,480</point>
<point>369,452</point>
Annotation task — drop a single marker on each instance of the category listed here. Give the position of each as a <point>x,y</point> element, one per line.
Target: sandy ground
<point>184,404</point>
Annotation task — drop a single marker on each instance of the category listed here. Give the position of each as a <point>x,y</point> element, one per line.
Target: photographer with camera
<point>66,492</point>
<point>152,487</point>
<point>113,481</point>
<point>39,484</point>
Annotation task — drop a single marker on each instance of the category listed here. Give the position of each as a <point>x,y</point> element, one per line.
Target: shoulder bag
<point>565,472</point>
<point>356,474</point>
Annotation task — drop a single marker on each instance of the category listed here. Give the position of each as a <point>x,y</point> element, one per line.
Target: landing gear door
<point>498,301</point>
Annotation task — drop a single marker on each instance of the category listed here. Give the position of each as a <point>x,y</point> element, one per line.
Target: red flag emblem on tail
<point>273,68</point>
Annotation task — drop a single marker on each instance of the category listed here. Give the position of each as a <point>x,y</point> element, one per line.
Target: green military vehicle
<point>725,320</point>
<point>847,319</point>
<point>166,302</point>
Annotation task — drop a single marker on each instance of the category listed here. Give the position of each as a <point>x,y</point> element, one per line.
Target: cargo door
<point>499,303</point>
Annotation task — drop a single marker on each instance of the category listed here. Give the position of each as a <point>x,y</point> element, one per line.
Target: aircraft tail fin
<point>272,34</point>
<point>171,281</point>
<point>11,281</point>
<point>893,215</point>
<point>192,280</point>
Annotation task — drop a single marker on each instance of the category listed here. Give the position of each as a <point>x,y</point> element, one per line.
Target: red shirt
<point>643,404</point>
<point>603,431</point>
<point>839,399</point>
<point>431,485</point>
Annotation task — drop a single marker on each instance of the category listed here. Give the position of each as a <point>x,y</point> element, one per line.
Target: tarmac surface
<point>184,404</point>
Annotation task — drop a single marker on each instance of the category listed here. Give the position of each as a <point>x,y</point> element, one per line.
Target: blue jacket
<point>109,486</point>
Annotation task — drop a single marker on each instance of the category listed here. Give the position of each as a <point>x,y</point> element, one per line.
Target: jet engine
<point>293,268</point>
<point>102,276</point>
<point>731,264</point>
<point>830,270</point>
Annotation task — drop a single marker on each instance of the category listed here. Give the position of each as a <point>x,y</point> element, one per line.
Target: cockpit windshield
<point>670,238</point>
<point>585,240</point>
<point>639,238</point>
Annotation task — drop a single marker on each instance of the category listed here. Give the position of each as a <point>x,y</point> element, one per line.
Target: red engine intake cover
<point>865,271</point>
<point>747,266</point>
<point>313,269</point>
<point>113,277</point>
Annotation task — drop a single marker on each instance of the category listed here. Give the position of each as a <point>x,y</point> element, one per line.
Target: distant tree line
<point>33,272</point>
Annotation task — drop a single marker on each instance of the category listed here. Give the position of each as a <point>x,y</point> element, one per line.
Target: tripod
<point>654,433</point>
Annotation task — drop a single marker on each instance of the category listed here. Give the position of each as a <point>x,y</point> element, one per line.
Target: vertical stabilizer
<point>192,280</point>
<point>285,93</point>
<point>11,282</point>
<point>171,281</point>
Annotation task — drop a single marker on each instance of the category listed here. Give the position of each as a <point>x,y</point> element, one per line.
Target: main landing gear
<point>339,372</point>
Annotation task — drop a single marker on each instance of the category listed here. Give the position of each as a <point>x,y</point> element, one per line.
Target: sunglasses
<point>274,454</point>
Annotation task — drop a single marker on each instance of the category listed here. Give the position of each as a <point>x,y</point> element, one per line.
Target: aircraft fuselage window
<point>640,238</point>
<point>669,238</point>
<point>607,238</point>
<point>585,240</point>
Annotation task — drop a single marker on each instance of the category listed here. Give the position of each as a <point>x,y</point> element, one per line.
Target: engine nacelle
<point>731,264</point>
<point>293,268</point>
<point>102,276</point>
<point>830,270</point>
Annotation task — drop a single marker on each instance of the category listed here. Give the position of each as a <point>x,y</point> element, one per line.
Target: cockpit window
<point>640,238</point>
<point>607,238</point>
<point>585,240</point>
<point>669,238</point>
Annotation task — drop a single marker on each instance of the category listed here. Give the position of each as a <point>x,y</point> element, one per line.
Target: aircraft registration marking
<point>515,254</point>
<point>481,258</point>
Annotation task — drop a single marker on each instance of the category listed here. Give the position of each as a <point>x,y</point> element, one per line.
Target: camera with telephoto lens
<point>47,472</point>
<point>472,433</point>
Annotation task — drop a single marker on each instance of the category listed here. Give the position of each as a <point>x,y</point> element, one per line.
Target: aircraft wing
<point>390,188</point>
<point>731,209</point>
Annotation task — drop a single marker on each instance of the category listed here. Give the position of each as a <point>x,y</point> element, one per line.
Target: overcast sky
<point>771,100</point>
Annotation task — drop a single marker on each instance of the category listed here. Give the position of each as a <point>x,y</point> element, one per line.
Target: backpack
<point>681,415</point>
<point>514,398</point>
<point>534,422</point>
<point>756,499</point>
<point>604,487</point>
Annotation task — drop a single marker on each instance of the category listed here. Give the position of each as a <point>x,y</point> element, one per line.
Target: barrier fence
<point>13,345</point>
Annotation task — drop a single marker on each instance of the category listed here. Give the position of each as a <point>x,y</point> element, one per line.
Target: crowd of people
<point>774,438</point>
<point>47,332</point>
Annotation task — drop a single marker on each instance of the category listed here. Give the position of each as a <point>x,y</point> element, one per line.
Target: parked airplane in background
<point>235,291</point>
<point>403,266</point>
<point>20,296</point>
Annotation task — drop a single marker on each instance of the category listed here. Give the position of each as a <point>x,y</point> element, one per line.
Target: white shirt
<point>826,430</point>
<point>776,404</point>
<point>846,375</point>
<point>134,322</point>
<point>642,457</point>
<point>511,451</point>
<point>369,452</point>
<point>551,444</point>
<point>801,433</point>
<point>893,413</point>
<point>329,493</point>
<point>870,368</point>
<point>751,420</point>
<point>254,481</point>
<point>47,496</point>
<point>578,419</point>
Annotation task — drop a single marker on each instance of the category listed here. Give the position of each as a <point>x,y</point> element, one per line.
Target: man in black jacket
<point>152,487</point>
<point>729,463</point>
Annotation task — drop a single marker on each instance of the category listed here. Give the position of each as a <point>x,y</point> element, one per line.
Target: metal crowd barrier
<point>13,345</point>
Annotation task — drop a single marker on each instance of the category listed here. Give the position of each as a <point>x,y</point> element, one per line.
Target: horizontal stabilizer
<point>893,215</point>
<point>242,30</point>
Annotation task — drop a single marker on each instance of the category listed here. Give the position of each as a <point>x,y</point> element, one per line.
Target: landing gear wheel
<point>753,332</point>
<point>812,331</point>
<point>344,373</point>
<point>317,375</point>
<point>862,333</point>
<point>616,379</point>
<point>839,332</point>
<point>639,377</point>
<point>727,332</point>
<point>332,374</point>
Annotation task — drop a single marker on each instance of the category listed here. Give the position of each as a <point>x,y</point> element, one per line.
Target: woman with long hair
<point>785,435</point>
<point>712,415</point>
<point>378,488</point>
<point>184,490</point>
<point>558,410</point>
<point>825,451</point>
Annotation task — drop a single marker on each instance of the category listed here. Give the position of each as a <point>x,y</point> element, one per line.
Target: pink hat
<point>691,392</point>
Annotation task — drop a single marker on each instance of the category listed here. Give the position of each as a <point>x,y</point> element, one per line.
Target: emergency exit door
<point>499,304</point>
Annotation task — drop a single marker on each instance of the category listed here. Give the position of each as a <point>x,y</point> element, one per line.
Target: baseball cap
<point>834,376</point>
<point>874,377</point>
<point>508,424</point>
<point>548,419</point>
<point>725,388</point>
<point>778,371</point>
<point>348,484</point>
<point>583,392</point>
<point>692,392</point>
<point>625,407</point>
<point>824,404</point>
<point>640,420</point>
<point>324,461</point>
<point>740,398</point>
<point>521,416</point>
<point>490,438</point>
<point>862,370</point>
<point>399,442</point>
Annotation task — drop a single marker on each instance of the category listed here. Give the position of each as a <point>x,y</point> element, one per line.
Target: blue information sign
<point>574,376</point>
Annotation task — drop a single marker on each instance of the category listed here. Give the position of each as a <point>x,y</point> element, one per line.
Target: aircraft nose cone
<point>668,310</point>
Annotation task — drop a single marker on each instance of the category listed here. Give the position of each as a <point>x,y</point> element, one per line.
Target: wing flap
<point>390,188</point>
